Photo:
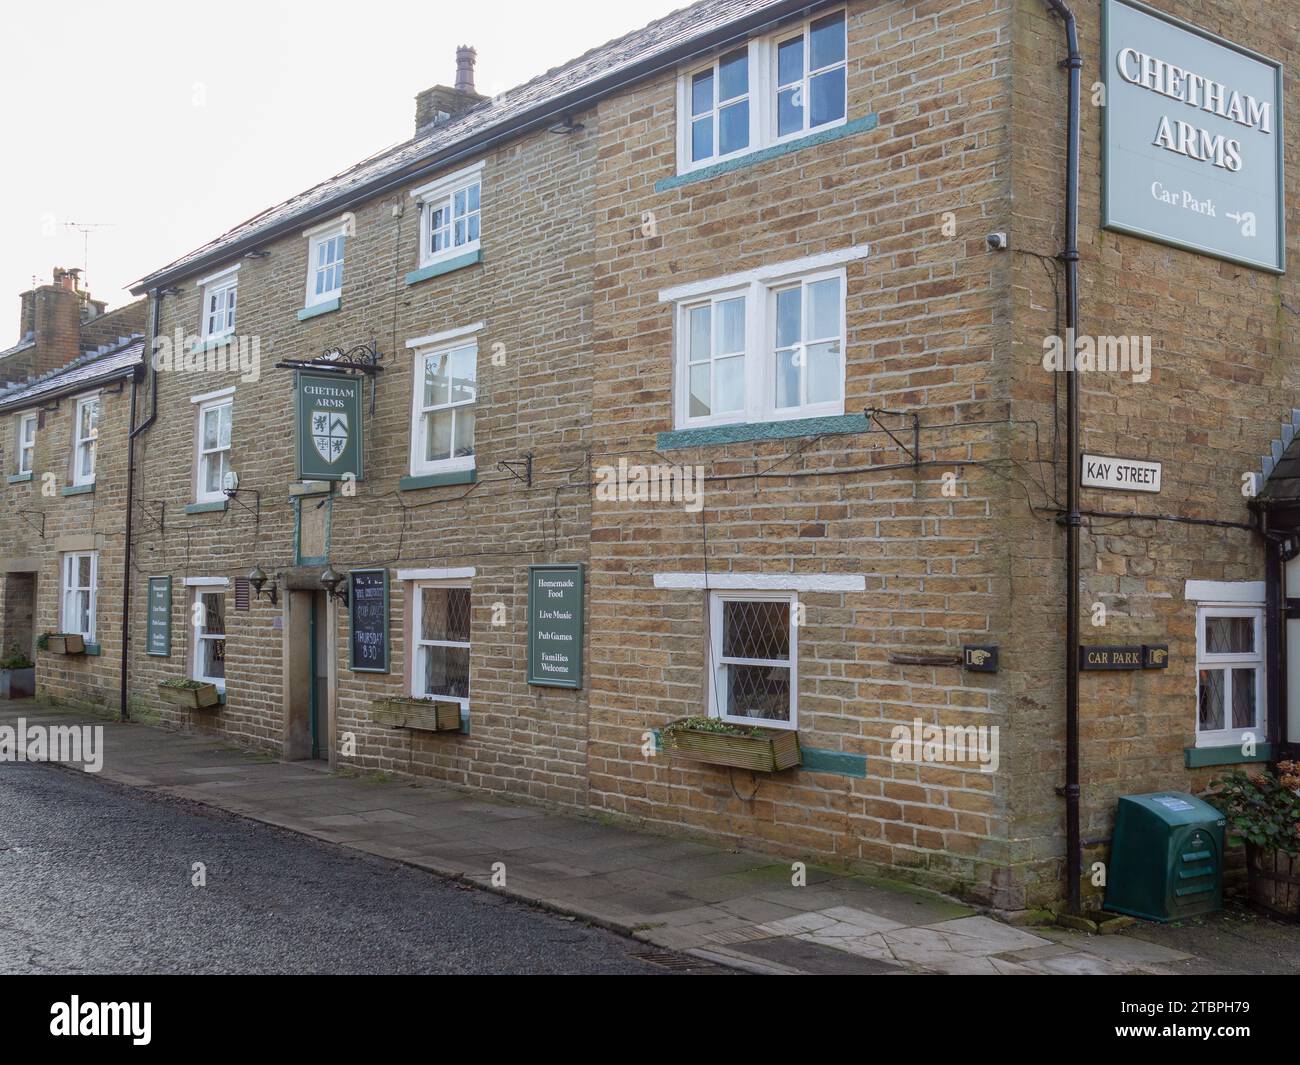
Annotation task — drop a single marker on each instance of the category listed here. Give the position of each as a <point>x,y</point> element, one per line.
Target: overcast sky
<point>168,123</point>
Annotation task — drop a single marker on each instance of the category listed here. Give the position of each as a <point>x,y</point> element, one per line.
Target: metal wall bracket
<point>914,452</point>
<point>41,529</point>
<point>255,510</point>
<point>514,468</point>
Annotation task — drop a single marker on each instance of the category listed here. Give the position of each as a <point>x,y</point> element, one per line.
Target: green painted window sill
<point>714,435</point>
<point>437,480</point>
<point>1196,757</point>
<point>77,489</point>
<point>206,508</point>
<point>214,342</point>
<point>19,478</point>
<point>92,649</point>
<point>444,267</point>
<point>320,308</point>
<point>858,125</point>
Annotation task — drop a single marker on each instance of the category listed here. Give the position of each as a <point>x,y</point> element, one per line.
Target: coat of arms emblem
<point>329,432</point>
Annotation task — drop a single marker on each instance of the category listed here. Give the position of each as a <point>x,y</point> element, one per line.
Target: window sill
<point>324,307</point>
<point>775,151</point>
<point>437,480</point>
<point>741,432</point>
<point>18,478</point>
<point>444,266</point>
<point>77,489</point>
<point>211,343</point>
<point>93,649</point>
<point>214,507</point>
<point>1196,757</point>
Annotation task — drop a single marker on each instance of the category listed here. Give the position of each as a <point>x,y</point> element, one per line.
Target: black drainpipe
<point>1072,519</point>
<point>124,713</point>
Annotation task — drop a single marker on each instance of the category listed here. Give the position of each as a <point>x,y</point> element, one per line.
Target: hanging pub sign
<point>158,641</point>
<point>328,425</point>
<point>555,625</point>
<point>1135,656</point>
<point>1123,475</point>
<point>1192,138</point>
<point>368,617</point>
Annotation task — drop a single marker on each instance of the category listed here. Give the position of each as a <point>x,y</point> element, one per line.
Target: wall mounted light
<point>331,582</point>
<point>257,579</point>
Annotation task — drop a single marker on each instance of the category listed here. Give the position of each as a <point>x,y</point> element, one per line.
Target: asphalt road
<point>96,878</point>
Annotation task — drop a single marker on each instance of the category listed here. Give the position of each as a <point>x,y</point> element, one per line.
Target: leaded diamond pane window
<point>1230,676</point>
<point>754,660</point>
<point>442,643</point>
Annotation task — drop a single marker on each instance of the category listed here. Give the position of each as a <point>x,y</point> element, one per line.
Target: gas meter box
<point>1166,857</point>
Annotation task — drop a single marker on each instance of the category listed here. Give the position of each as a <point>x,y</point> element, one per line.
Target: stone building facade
<point>742,317</point>
<point>65,405</point>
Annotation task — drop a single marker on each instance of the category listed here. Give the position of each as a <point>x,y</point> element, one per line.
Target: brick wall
<point>925,312</point>
<point>1225,372</point>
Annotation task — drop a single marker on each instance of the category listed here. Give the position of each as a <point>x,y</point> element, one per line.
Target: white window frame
<point>423,348</point>
<point>760,349</point>
<point>1231,737</point>
<point>204,403</point>
<point>416,643</point>
<point>442,193</point>
<point>717,666</point>
<point>26,445</point>
<point>197,620</point>
<point>763,76</point>
<point>69,589</point>
<point>317,238</point>
<point>226,285</point>
<point>757,109</point>
<point>82,444</point>
<point>805,91</point>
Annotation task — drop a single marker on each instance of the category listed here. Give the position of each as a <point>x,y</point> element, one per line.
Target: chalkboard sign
<point>368,609</point>
<point>555,625</point>
<point>159,641</point>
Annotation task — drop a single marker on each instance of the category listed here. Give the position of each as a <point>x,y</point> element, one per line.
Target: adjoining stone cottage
<point>710,375</point>
<point>69,379</point>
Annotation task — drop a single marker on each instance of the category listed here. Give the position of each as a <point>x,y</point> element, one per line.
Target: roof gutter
<point>540,115</point>
<point>70,390</point>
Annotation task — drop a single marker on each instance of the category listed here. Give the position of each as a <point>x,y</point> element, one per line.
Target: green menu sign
<point>555,625</point>
<point>328,425</point>
<point>159,639</point>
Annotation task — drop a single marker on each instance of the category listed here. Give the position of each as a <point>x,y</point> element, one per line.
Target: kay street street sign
<point>1192,141</point>
<point>1123,475</point>
<point>328,426</point>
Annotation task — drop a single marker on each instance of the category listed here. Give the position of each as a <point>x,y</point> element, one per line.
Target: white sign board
<point>1124,475</point>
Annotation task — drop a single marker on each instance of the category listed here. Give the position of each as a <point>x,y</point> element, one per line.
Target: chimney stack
<point>444,102</point>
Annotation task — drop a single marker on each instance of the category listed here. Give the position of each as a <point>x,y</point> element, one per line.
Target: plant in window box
<point>1264,811</point>
<point>191,694</point>
<point>708,739</point>
<point>427,715</point>
<point>17,675</point>
<point>62,643</point>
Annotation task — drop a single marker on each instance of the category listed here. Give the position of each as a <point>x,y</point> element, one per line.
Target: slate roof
<point>27,342</point>
<point>664,42</point>
<point>104,363</point>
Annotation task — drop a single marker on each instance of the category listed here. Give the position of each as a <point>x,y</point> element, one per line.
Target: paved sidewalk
<point>731,907</point>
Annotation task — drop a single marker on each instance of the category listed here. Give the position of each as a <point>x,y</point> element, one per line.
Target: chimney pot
<point>465,57</point>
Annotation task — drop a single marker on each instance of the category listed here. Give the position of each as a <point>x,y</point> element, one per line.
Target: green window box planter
<point>196,696</point>
<point>758,750</point>
<point>425,715</point>
<point>65,644</point>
